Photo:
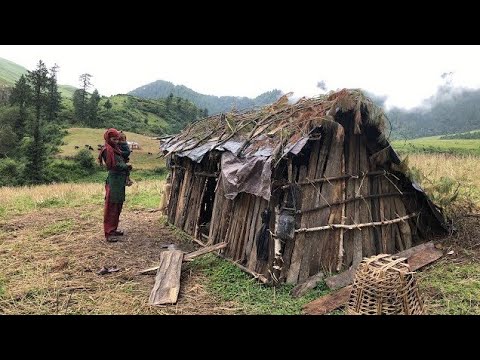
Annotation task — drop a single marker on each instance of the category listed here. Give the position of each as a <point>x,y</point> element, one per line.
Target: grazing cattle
<point>150,153</point>
<point>77,147</point>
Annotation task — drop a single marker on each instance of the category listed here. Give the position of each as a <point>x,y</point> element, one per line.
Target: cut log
<point>346,278</point>
<point>205,250</point>
<point>308,284</point>
<point>167,281</point>
<point>328,303</point>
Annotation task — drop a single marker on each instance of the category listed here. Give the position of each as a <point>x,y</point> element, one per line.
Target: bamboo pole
<point>354,199</point>
<point>334,178</point>
<point>356,226</point>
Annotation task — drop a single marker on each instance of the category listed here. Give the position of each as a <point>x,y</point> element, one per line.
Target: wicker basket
<point>384,285</point>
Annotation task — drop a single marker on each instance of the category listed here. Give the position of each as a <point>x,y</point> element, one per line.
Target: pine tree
<point>36,151</point>
<point>78,109</point>
<point>93,108</point>
<point>54,96</point>
<point>80,98</point>
<point>168,102</point>
<point>21,95</point>
<point>107,105</point>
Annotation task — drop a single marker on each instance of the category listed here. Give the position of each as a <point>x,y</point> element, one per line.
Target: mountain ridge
<point>214,104</point>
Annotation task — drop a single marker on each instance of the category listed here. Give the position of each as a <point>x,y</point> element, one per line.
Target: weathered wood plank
<point>328,303</point>
<point>203,251</point>
<point>308,284</point>
<point>424,257</point>
<point>306,246</point>
<point>297,252</point>
<point>167,281</point>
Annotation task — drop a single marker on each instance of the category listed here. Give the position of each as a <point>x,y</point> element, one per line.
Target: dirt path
<point>50,259</point>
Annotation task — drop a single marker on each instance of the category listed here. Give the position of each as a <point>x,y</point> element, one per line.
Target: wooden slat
<point>205,250</point>
<point>296,259</point>
<point>328,303</point>
<point>365,207</point>
<point>167,281</point>
<point>308,284</point>
<point>310,198</point>
<point>424,257</point>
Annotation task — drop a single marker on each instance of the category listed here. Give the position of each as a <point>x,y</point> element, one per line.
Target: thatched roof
<point>274,130</point>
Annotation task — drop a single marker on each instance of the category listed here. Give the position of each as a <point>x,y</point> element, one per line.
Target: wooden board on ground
<point>308,284</point>
<point>346,278</point>
<point>205,250</point>
<point>328,303</point>
<point>190,256</point>
<point>423,255</point>
<point>167,281</point>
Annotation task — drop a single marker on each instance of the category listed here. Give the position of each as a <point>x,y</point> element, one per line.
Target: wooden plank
<point>290,244</point>
<point>345,278</point>
<point>311,197</point>
<point>253,230</point>
<point>297,252</point>
<point>328,303</point>
<point>341,280</point>
<point>328,244</point>
<point>202,251</point>
<point>368,242</point>
<point>308,284</point>
<point>167,281</point>
<point>424,257</point>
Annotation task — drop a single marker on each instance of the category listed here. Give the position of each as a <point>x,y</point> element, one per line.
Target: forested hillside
<point>450,111</point>
<point>214,104</point>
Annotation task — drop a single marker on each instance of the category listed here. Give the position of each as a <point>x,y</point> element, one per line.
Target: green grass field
<point>434,144</point>
<point>140,158</point>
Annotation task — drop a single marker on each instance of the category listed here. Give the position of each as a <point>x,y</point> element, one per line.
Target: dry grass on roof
<point>282,121</point>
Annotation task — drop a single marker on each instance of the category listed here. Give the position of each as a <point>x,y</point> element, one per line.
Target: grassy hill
<point>139,158</point>
<point>434,144</point>
<point>151,117</point>
<point>11,72</point>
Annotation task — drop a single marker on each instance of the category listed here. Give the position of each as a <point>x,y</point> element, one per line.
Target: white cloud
<point>406,74</point>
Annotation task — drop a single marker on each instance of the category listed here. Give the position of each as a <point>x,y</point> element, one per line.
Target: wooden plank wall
<point>335,154</point>
<point>339,151</point>
<point>189,184</point>
<point>238,222</point>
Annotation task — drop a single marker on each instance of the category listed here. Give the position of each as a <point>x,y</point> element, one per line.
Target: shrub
<point>85,160</point>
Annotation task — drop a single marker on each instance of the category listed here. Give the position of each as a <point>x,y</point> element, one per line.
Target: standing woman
<point>114,185</point>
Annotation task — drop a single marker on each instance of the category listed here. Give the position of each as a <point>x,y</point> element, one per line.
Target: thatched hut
<point>295,189</point>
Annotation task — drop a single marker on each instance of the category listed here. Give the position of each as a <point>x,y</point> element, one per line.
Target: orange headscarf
<point>110,148</point>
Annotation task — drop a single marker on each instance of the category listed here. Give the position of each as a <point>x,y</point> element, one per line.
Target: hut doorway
<point>206,207</point>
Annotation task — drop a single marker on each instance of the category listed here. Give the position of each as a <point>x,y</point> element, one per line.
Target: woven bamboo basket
<point>384,285</point>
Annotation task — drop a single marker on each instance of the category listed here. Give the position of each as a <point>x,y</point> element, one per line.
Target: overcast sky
<point>406,74</point>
